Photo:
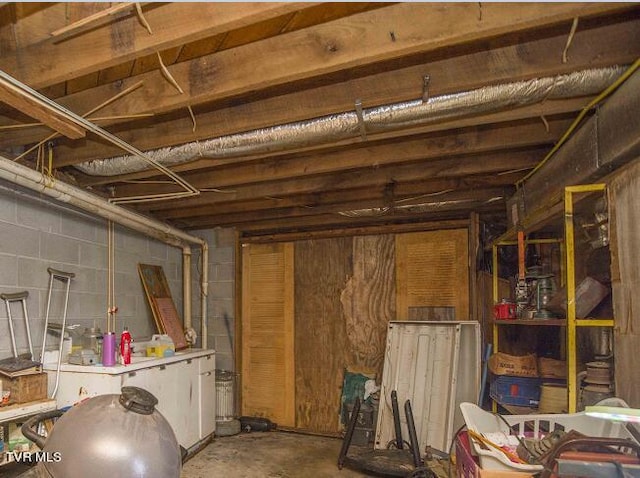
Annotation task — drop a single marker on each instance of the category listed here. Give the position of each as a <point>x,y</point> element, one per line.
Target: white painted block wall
<point>221,298</point>
<point>36,234</point>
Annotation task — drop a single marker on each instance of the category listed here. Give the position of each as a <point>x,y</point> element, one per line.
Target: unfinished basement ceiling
<point>303,117</point>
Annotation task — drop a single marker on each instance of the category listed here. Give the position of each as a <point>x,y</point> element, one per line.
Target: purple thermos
<point>109,349</point>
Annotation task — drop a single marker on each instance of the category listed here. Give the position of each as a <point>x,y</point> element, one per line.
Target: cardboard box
<point>26,388</point>
<point>467,466</point>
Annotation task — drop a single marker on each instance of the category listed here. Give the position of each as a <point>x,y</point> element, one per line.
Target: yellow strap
<point>50,172</point>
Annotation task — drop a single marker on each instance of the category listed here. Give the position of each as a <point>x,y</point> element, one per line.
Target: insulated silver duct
<point>350,124</point>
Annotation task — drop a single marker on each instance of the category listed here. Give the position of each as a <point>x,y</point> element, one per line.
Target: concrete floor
<point>261,455</point>
<point>269,455</point>
<point>256,455</point>
<point>278,455</point>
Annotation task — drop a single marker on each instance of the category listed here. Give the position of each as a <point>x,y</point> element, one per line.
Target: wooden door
<point>432,275</point>
<point>268,382</point>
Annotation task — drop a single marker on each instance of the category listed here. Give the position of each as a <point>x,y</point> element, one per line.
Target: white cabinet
<point>184,399</point>
<point>183,384</point>
<point>207,402</point>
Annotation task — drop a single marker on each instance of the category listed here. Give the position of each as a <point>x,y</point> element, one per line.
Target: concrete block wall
<point>36,233</point>
<point>221,294</point>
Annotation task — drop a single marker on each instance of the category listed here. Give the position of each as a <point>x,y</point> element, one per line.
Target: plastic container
<point>160,346</point>
<point>92,340</point>
<point>536,426</point>
<point>520,391</point>
<point>125,347</point>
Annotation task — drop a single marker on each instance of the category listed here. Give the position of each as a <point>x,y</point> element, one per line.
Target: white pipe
<point>66,193</point>
<point>204,292</point>
<point>186,286</point>
<point>60,191</point>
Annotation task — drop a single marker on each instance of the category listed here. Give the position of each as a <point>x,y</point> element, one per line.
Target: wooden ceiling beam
<point>173,24</point>
<point>354,42</point>
<point>260,237</point>
<point>445,202</point>
<point>366,156</point>
<point>14,94</point>
<point>391,191</point>
<point>618,43</point>
<point>330,221</point>
<point>436,177</point>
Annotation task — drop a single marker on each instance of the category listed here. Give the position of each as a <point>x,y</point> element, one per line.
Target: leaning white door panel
<point>435,365</point>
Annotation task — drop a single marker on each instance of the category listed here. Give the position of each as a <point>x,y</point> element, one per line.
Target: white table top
<point>137,363</point>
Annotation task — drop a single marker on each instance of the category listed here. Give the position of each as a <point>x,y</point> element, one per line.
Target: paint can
<point>504,310</point>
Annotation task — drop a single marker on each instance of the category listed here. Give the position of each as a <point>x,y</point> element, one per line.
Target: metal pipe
<point>349,124</point>
<point>413,436</point>
<point>204,292</point>
<point>65,193</point>
<point>186,286</point>
<point>396,419</point>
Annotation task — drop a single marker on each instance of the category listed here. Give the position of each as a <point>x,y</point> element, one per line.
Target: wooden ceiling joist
<point>328,49</point>
<point>369,156</point>
<point>389,192</point>
<point>325,233</point>
<point>125,39</point>
<point>438,177</point>
<point>31,103</point>
<point>243,68</point>
<point>447,201</point>
<point>589,49</point>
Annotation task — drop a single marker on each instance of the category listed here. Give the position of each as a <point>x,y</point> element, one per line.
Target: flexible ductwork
<point>351,124</point>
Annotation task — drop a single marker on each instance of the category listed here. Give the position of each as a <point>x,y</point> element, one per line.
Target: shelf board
<point>534,322</point>
<point>594,322</point>
<point>22,410</point>
<point>556,322</point>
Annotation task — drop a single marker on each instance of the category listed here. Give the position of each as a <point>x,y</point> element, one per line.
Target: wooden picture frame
<point>162,306</point>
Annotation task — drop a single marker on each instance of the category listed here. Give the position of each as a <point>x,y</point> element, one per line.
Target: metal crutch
<point>64,277</point>
<point>18,297</point>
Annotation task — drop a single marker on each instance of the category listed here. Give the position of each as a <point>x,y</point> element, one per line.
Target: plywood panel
<point>322,269</point>
<point>625,280</point>
<point>368,302</point>
<point>268,332</point>
<point>432,275</point>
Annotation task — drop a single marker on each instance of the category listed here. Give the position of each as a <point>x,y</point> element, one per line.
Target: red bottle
<point>125,346</point>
